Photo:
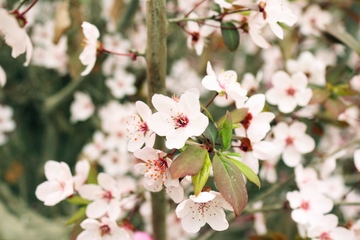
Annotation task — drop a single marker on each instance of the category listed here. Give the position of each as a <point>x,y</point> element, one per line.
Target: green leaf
<point>248,172</point>
<point>199,180</point>
<point>229,180</point>
<point>344,37</point>
<point>343,90</point>
<point>78,200</point>
<point>230,35</point>
<point>188,162</point>
<point>211,132</point>
<point>237,116</point>
<point>226,132</point>
<point>233,154</point>
<point>78,215</point>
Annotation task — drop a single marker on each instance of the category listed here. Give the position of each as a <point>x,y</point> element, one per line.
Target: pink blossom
<point>138,130</point>
<point>314,20</point>
<point>288,92</point>
<point>82,169</point>
<point>207,207</point>
<point>105,197</point>
<point>88,55</point>
<point>82,108</point>
<point>177,120</point>
<point>59,184</point>
<point>106,229</point>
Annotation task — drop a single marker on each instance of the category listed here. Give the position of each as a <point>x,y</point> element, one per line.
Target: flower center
<point>305,205</point>
<point>104,230</point>
<point>180,121</point>
<point>325,236</point>
<point>202,208</point>
<point>143,127</point>
<point>247,120</point>
<point>290,91</point>
<point>157,168</point>
<point>289,141</point>
<point>107,196</point>
<point>246,145</point>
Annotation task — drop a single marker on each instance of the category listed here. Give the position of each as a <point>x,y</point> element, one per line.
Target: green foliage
<point>78,200</point>
<point>77,216</point>
<point>199,180</point>
<point>230,35</point>
<point>229,180</point>
<point>226,132</point>
<point>189,162</point>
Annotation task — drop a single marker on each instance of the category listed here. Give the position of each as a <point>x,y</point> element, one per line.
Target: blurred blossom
<point>121,84</point>
<point>355,83</point>
<point>2,77</point>
<point>7,124</point>
<point>314,20</point>
<point>88,55</point>
<point>82,108</point>
<point>268,169</point>
<point>15,36</point>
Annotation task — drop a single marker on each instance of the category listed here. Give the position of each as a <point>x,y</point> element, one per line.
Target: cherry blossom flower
<point>115,162</point>
<point>138,130</point>
<point>275,11</point>
<point>308,204</point>
<point>259,219</point>
<point>82,108</point>
<point>15,36</point>
<point>328,165</point>
<point>251,83</point>
<point>7,124</point>
<point>105,197</point>
<point>197,34</point>
<point>288,92</point>
<point>59,184</point>
<point>88,55</point>
<point>121,84</point>
<point>351,116</point>
<point>355,83</point>
<point>293,140</point>
<point>225,84</point>
<point>256,24</point>
<point>177,120</point>
<point>268,169</point>
<point>2,77</point>
<point>207,207</point>
<point>326,227</point>
<point>82,169</point>
<point>314,20</point>
<point>156,172</point>
<point>305,176</point>
<point>256,124</point>
<point>106,229</point>
<point>313,68</point>
<point>94,149</point>
<point>355,228</point>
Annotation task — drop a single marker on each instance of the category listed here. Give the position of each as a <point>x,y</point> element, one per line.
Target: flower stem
<point>156,50</point>
<point>29,7</point>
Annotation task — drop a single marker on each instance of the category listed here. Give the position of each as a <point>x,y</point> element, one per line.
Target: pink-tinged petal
<point>303,97</point>
<point>57,171</point>
<point>256,103</point>
<point>176,138</point>
<point>96,209</point>
<point>210,83</point>
<point>251,161</point>
<point>136,142</point>
<point>197,125</point>
<point>90,31</point>
<point>281,131</point>
<point>258,130</point>
<point>294,199</point>
<point>164,104</point>
<point>141,236</point>
<point>160,123</point>
<point>199,46</point>
<point>90,224</point>
<point>50,193</point>
<point>147,153</point>
<point>330,221</point>
<point>341,233</point>
<point>113,209</point>
<point>300,216</point>
<point>143,110</point>
<point>216,218</point>
<point>203,197</point>
<point>291,157</point>
<point>299,80</point>
<point>304,144</point>
<point>281,80</point>
<point>29,50</point>
<point>209,70</point>
<point>82,169</point>
<point>277,30</point>
<point>322,204</point>
<point>175,193</point>
<point>258,39</point>
<point>87,235</point>
<point>184,208</point>
<point>357,159</point>
<point>264,150</point>
<point>287,104</point>
<point>90,191</point>
<point>192,222</point>
<point>297,129</point>
<point>106,181</point>
<point>190,103</point>
<point>150,137</point>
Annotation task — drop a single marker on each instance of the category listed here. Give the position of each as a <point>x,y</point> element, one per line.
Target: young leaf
<point>237,116</point>
<point>248,172</point>
<point>78,215</point>
<point>78,200</point>
<point>230,35</point>
<point>226,132</point>
<point>200,179</point>
<point>211,132</point>
<point>188,162</point>
<point>230,182</point>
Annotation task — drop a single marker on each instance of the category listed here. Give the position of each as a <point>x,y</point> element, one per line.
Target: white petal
<point>291,157</point>
<point>96,209</point>
<point>357,159</point>
<point>2,77</point>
